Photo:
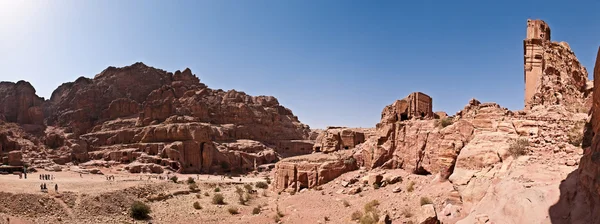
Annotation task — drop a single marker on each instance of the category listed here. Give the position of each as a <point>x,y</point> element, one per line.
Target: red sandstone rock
<point>589,170</point>
<point>309,171</point>
<point>15,158</point>
<point>20,104</point>
<point>337,138</point>
<point>553,75</point>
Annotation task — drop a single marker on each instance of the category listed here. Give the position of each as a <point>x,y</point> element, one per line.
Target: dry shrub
<point>139,210</point>
<point>262,185</point>
<point>233,210</point>
<point>425,201</point>
<point>256,210</point>
<point>411,186</point>
<point>518,147</point>
<point>575,135</point>
<point>356,215</point>
<point>218,199</point>
<point>197,205</point>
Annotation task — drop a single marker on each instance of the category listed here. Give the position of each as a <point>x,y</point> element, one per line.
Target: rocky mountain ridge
<point>139,111</point>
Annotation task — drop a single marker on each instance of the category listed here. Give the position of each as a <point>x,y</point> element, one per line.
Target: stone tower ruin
<point>538,32</point>
<point>553,75</point>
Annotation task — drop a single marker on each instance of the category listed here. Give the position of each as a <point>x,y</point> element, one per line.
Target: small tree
<point>174,179</point>
<point>139,210</point>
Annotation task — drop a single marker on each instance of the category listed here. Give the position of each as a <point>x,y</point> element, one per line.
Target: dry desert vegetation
<point>141,145</point>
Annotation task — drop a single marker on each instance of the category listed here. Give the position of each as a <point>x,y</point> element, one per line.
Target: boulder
<point>375,179</point>
<point>427,215</point>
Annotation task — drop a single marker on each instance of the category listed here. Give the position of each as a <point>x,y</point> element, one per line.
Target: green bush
<point>139,210</point>
<point>261,185</point>
<point>217,189</point>
<point>218,199</point>
<point>174,179</point>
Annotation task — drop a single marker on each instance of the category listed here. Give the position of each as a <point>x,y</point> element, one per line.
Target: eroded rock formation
<point>589,168</point>
<point>415,105</point>
<point>309,171</point>
<point>338,138</point>
<point>141,113</point>
<point>553,75</point>
<point>20,104</point>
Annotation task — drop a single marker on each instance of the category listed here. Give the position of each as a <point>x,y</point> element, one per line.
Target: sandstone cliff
<point>142,113</point>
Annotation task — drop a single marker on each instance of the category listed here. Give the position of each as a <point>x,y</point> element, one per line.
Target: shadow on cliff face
<point>575,204</point>
<point>561,212</point>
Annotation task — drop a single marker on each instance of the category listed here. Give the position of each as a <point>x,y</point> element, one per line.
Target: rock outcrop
<point>338,138</point>
<point>309,171</point>
<point>20,104</point>
<point>553,75</point>
<point>169,119</point>
<point>589,169</point>
<point>415,105</point>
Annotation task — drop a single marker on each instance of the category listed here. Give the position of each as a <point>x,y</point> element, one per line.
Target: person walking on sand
<point>56,187</point>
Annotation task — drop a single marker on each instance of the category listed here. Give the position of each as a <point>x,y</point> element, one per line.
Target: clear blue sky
<point>331,62</point>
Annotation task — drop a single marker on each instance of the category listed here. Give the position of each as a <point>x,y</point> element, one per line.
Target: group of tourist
<point>45,189</point>
<point>46,177</point>
<point>111,177</point>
